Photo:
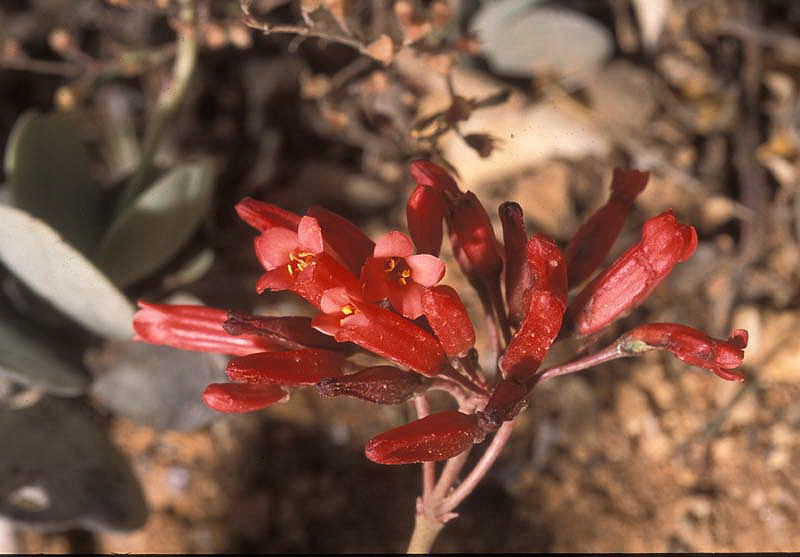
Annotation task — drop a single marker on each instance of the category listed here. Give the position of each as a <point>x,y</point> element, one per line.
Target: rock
<point>61,471</point>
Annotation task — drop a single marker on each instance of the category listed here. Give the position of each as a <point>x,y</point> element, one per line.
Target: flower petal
<point>309,235</point>
<point>393,244</point>
<point>274,245</point>
<point>275,280</point>
<point>426,270</point>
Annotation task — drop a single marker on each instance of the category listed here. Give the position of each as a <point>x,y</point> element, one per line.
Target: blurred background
<point>131,128</point>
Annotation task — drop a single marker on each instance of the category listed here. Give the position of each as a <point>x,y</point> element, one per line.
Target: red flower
<point>472,238</point>
<point>546,302</point>
<point>426,173</point>
<point>591,243</point>
<point>296,261</point>
<point>691,346</point>
<point>634,275</point>
<point>449,320</point>
<point>196,328</point>
<point>395,273</point>
<point>349,319</point>
<point>296,367</point>
<point>242,397</point>
<point>436,437</point>
<point>424,216</point>
<point>379,384</point>
<point>518,276</point>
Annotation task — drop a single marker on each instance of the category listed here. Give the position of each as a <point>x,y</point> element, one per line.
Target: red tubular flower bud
<point>196,328</point>
<point>288,332</point>
<point>436,437</point>
<point>518,277</point>
<point>345,239</point>
<point>426,173</point>
<point>263,216</point>
<point>380,331</point>
<point>449,320</point>
<point>234,398</point>
<point>634,275</point>
<point>296,367</point>
<point>379,384</point>
<point>507,400</point>
<point>592,242</point>
<point>691,346</point>
<point>472,238</point>
<point>424,215</point>
<point>546,302</point>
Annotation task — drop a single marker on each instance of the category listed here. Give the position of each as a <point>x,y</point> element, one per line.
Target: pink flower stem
<point>423,407</point>
<point>481,468</point>
<point>448,477</point>
<point>611,352</point>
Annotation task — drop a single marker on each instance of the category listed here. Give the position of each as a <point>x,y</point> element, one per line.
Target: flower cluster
<point>384,297</point>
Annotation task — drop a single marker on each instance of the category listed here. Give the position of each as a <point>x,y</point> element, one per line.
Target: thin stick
<point>481,468</point>
<point>426,530</point>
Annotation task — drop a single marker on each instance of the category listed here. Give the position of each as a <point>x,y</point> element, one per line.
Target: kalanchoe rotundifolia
<point>378,384</point>
<point>197,328</point>
<point>395,273</point>
<point>634,275</point>
<point>234,398</point>
<point>691,346</point>
<point>326,260</point>
<point>590,245</point>
<point>436,437</point>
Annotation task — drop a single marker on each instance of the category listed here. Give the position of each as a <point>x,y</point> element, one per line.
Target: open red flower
<point>634,275</point>
<point>691,346</point>
<point>395,273</point>
<point>350,319</point>
<point>297,261</point>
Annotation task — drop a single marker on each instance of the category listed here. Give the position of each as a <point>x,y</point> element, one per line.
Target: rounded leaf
<point>59,273</point>
<point>156,225</point>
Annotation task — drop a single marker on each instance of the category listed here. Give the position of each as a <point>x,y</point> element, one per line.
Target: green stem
<point>168,102</point>
<point>426,530</point>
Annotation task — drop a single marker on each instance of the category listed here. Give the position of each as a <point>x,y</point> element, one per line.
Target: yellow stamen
<point>390,265</point>
<point>348,309</point>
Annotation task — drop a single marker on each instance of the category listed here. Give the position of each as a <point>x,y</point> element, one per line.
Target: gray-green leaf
<point>30,360</point>
<point>153,228</point>
<point>56,271</point>
<point>48,170</point>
